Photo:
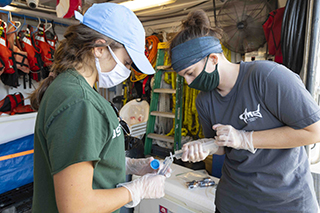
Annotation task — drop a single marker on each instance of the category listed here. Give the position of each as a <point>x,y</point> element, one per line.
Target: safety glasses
<point>123,124</point>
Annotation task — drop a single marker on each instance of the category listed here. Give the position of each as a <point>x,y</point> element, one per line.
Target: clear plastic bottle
<point>166,164</point>
<point>207,145</point>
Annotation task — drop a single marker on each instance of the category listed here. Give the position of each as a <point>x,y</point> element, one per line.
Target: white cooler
<point>180,199</point>
<point>16,126</point>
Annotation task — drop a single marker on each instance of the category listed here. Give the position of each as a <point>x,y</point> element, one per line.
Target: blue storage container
<point>16,163</point>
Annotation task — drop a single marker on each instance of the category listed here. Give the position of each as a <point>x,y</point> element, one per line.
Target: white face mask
<point>117,75</point>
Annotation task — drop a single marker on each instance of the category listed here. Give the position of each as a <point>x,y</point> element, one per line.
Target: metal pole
<point>313,50</point>
<point>314,41</point>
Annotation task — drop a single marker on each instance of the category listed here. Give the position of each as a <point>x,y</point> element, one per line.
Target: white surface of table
<point>195,200</point>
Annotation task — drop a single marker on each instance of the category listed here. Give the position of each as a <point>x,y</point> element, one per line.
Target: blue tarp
<point>18,171</point>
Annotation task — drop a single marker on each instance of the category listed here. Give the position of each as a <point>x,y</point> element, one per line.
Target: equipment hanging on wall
<point>272,31</point>
<point>241,21</point>
<point>11,101</point>
<point>19,56</point>
<point>46,49</point>
<point>29,45</point>
<point>293,34</point>
<point>151,53</point>
<point>52,37</point>
<point>10,75</point>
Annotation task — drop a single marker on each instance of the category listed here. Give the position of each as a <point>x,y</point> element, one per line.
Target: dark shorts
<point>217,211</point>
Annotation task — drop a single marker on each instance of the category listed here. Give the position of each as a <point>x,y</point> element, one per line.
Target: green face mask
<point>206,81</point>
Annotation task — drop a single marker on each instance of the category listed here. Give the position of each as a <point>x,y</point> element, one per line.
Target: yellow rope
<point>226,52</point>
<point>190,115</point>
<point>125,93</point>
<point>171,80</point>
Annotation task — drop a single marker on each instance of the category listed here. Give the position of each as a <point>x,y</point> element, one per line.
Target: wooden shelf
<point>161,137</point>
<point>167,91</point>
<point>163,114</point>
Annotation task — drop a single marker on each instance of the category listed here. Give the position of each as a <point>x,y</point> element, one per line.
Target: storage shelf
<point>161,137</point>
<point>162,114</point>
<point>163,90</point>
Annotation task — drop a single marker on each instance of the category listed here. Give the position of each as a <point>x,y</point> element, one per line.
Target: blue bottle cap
<point>155,164</point>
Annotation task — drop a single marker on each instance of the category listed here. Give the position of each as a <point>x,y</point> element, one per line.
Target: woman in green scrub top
<point>79,155</point>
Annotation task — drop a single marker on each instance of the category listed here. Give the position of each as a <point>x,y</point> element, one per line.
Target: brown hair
<point>197,24</point>
<point>72,53</point>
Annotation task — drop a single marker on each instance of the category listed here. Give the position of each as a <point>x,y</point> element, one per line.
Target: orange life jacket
<point>22,110</point>
<point>5,52</point>
<point>46,49</point>
<point>20,57</point>
<point>11,101</point>
<point>33,51</point>
<point>10,74</point>
<point>52,39</point>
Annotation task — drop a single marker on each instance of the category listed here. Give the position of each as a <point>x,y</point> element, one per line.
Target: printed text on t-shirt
<point>117,132</point>
<point>251,116</point>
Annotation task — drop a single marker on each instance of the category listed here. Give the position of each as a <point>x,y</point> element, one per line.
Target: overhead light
<point>8,8</point>
<point>136,5</point>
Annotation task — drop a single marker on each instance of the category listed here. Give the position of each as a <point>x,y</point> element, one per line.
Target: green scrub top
<point>75,124</point>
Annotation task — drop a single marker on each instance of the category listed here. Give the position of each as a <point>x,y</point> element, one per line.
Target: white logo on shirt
<point>251,116</point>
<point>117,132</point>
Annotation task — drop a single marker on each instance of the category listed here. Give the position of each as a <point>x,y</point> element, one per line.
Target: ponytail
<point>36,96</point>
<point>196,24</point>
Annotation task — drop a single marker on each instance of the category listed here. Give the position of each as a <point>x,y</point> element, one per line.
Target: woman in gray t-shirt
<point>261,116</point>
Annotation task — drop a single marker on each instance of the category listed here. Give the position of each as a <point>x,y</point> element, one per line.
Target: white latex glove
<point>194,151</point>
<point>139,166</point>
<point>231,137</point>
<point>147,186</point>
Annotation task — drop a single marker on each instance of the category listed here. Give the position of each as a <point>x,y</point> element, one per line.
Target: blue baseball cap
<point>122,25</point>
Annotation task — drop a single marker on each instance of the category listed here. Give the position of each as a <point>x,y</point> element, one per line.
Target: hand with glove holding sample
<point>227,135</point>
<point>198,150</point>
<point>150,185</point>
<point>142,166</point>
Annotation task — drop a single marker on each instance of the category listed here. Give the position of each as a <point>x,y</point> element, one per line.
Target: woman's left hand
<point>231,137</point>
<point>139,166</point>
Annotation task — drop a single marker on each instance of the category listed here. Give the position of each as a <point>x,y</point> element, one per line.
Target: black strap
<point>30,80</point>
<point>14,96</point>
<point>24,58</point>
<point>3,64</point>
<point>24,81</point>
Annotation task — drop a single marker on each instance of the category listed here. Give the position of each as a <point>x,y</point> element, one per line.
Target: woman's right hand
<point>193,151</point>
<point>147,186</point>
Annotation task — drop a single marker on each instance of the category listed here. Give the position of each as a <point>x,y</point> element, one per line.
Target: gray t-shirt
<point>266,96</point>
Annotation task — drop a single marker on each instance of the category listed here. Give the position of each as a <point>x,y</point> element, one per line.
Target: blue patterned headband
<point>192,51</point>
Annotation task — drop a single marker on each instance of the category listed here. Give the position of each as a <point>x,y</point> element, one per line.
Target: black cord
<point>214,12</point>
